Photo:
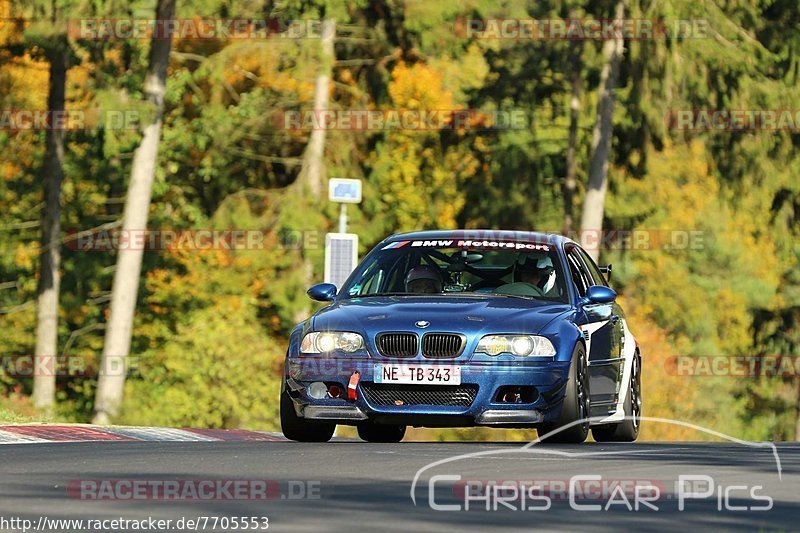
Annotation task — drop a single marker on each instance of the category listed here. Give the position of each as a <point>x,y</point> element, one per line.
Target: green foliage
<point>214,368</point>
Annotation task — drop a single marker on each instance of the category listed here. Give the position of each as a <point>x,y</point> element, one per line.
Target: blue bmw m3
<point>466,328</point>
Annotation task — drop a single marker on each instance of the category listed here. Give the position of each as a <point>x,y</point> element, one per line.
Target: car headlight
<point>329,341</point>
<point>518,345</point>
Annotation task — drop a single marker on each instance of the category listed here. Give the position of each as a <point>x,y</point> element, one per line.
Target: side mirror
<point>606,271</point>
<point>599,294</point>
<point>322,292</point>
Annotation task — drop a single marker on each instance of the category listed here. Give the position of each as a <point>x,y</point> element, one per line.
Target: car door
<point>617,314</point>
<point>600,332</point>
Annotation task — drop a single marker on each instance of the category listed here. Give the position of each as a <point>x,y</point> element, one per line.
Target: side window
<point>396,278</point>
<point>382,276</point>
<point>579,275</point>
<point>371,280</point>
<point>374,283</point>
<point>594,272</point>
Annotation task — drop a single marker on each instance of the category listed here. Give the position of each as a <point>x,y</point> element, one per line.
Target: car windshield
<point>508,269</point>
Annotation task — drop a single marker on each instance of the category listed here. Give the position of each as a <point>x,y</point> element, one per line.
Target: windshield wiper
<point>382,294</point>
<point>515,296</point>
<point>414,294</point>
<point>452,293</point>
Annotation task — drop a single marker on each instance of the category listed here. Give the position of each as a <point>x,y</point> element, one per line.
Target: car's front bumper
<point>547,378</point>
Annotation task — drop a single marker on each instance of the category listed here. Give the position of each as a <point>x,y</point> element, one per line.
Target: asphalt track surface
<point>366,487</point>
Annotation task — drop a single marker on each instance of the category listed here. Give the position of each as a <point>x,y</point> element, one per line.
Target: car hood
<point>463,314</point>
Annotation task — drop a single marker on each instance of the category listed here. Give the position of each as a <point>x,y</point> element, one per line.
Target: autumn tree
<point>594,200</point>
<point>47,31</point>
<point>124,293</point>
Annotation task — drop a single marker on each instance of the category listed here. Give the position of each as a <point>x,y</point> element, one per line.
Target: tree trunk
<point>44,380</point>
<point>313,166</point>
<point>312,172</point>
<point>129,262</point>
<point>593,205</point>
<point>570,181</point>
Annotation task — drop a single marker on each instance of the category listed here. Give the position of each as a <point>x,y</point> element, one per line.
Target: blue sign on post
<point>341,249</point>
<point>343,190</point>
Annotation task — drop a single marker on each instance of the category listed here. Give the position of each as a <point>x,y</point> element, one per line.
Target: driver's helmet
<point>424,279</point>
<point>537,263</point>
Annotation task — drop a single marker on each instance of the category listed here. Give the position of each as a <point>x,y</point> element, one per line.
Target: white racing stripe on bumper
<point>629,352</point>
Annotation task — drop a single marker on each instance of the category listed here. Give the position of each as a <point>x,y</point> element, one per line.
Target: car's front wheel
<point>372,432</point>
<point>628,429</point>
<point>300,429</point>
<point>574,417</point>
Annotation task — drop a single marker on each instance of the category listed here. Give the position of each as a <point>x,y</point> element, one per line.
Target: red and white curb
<point>44,433</point>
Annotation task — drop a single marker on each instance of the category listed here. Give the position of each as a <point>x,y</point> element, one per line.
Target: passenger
<point>532,277</point>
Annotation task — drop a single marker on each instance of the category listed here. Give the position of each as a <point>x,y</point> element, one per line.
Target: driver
<point>532,276</point>
<point>424,279</point>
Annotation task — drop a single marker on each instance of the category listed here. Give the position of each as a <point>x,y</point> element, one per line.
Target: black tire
<point>371,432</point>
<point>628,429</point>
<point>576,403</point>
<point>300,429</point>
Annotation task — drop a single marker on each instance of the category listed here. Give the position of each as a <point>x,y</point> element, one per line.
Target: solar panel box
<point>341,257</point>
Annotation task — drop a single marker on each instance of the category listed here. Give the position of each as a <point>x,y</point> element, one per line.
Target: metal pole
<point>343,218</point>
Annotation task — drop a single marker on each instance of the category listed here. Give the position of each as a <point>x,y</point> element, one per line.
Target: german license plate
<point>417,374</point>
